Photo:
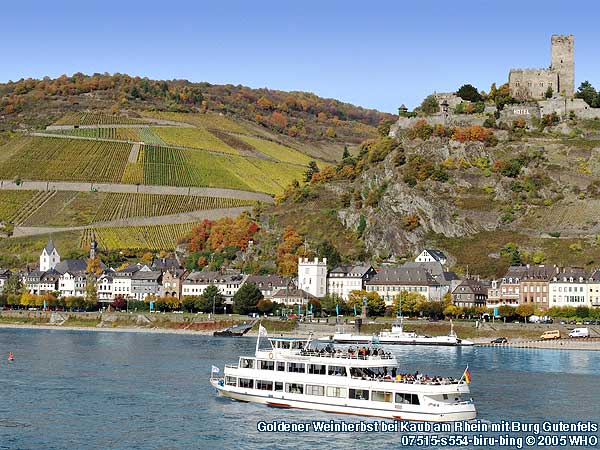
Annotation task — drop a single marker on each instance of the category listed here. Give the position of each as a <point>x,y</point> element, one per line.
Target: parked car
<point>500,340</point>
<point>551,334</point>
<point>547,321</point>
<point>579,333</point>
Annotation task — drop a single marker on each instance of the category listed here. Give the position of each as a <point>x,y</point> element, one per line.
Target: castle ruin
<point>528,84</point>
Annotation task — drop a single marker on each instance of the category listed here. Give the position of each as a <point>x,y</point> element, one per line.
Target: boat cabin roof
<point>288,343</point>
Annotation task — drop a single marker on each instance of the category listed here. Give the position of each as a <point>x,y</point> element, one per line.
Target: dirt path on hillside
<point>134,189</point>
<point>187,217</point>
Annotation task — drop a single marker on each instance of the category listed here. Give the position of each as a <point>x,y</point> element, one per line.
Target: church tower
<point>563,63</point>
<point>93,248</point>
<point>49,257</point>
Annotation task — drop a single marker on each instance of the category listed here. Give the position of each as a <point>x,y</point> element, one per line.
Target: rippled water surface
<point>105,390</point>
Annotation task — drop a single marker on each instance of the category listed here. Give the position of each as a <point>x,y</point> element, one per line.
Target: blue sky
<point>374,54</point>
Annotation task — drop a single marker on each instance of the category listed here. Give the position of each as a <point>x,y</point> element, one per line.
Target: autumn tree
<point>430,105</point>
<point>287,258</point>
<point>94,266</point>
<point>312,169</point>
<point>469,92</point>
<point>409,303</point>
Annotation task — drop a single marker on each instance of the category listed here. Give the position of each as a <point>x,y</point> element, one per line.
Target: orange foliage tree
<point>222,233</point>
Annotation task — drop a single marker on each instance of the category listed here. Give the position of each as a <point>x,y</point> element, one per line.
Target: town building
<point>470,293</point>
<point>146,282</point>
<point>568,287</point>
<point>312,276</point>
<point>121,280</point>
<point>104,287</point>
<point>344,279</point>
<point>534,285</point>
<point>494,298</point>
<point>432,255</point>
<point>270,284</point>
<point>172,281</point>
<point>291,297</point>
<point>227,282</point>
<point>593,289</point>
<point>390,281</point>
<point>4,276</point>
<point>510,290</point>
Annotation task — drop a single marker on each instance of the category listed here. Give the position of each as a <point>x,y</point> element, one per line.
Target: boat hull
<point>358,339</point>
<point>449,414</point>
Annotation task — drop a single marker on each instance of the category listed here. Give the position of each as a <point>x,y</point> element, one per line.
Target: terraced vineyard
<point>12,201</point>
<point>174,167</point>
<point>124,134</point>
<point>276,151</point>
<point>157,237</point>
<point>203,120</point>
<point>84,208</point>
<point>43,158</point>
<point>37,199</point>
<point>88,118</point>
<point>147,136</point>
<point>120,206</point>
<point>192,138</point>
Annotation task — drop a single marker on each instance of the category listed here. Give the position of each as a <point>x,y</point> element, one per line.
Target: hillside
<point>532,196</point>
<point>137,162</point>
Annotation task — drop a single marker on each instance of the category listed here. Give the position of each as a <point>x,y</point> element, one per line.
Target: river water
<point>108,390</point>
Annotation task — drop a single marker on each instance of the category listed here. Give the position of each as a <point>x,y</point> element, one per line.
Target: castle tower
<point>312,276</point>
<point>563,62</point>
<point>49,257</point>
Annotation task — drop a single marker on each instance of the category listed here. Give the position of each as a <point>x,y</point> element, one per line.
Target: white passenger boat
<point>290,373</point>
<point>397,336</point>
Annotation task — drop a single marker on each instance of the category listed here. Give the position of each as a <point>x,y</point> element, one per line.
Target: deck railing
<point>442,382</point>
<point>345,355</point>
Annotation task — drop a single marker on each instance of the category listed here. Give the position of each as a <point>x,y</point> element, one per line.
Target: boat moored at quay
<point>291,373</point>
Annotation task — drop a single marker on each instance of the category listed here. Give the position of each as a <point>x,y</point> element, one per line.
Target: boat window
<point>313,389</point>
<point>280,366</point>
<point>247,363</point>
<point>231,381</point>
<point>296,367</point>
<point>333,391</point>
<point>294,388</point>
<point>284,344</point>
<point>337,370</point>
<point>316,369</point>
<point>246,383</point>
<point>264,385</point>
<point>266,365</point>
<point>409,399</point>
<point>359,394</point>
<point>278,386</point>
<point>382,396</point>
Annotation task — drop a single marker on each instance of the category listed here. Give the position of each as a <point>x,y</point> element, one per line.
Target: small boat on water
<point>292,373</point>
<point>235,330</point>
<point>397,336</point>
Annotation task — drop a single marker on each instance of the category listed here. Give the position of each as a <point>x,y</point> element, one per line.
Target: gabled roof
<point>470,286</point>
<point>50,247</point>
<point>147,275</point>
<point>208,276</point>
<point>357,271</point>
<point>437,254</point>
<point>262,281</point>
<point>165,263</point>
<point>71,266</point>
<point>403,276</point>
<point>293,293</point>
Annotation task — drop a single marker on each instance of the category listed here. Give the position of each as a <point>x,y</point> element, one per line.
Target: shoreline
<point>559,344</point>
<point>16,326</point>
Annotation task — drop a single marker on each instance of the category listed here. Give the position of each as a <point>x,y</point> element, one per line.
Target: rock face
<point>389,231</point>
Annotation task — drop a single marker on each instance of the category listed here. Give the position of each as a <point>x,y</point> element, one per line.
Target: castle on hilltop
<point>559,78</point>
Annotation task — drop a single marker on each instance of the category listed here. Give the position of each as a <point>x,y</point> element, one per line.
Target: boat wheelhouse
<point>290,373</point>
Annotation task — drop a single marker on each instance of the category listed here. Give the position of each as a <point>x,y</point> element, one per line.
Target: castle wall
<point>563,106</point>
<point>531,83</point>
<point>520,111</point>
